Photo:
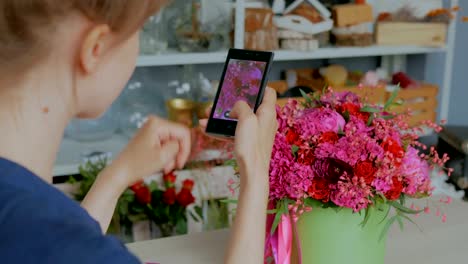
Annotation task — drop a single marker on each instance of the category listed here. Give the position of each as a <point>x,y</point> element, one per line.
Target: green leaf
<point>181,227</point>
<point>386,214</point>
<point>369,121</point>
<point>311,202</point>
<point>272,211</point>
<point>346,115</point>
<point>276,222</point>
<point>369,109</point>
<point>387,227</point>
<point>294,149</point>
<point>231,162</point>
<point>400,222</point>
<point>306,96</point>
<point>337,209</point>
<point>194,217</point>
<point>366,217</point>
<point>388,117</point>
<point>153,186</point>
<point>384,199</point>
<point>402,199</point>
<point>411,221</point>
<point>391,99</point>
<point>229,201</point>
<point>286,202</point>
<point>72,180</point>
<point>405,209</point>
<point>199,211</point>
<point>340,131</point>
<point>282,208</point>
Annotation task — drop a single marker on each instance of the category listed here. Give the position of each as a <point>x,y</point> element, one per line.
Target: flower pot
<point>330,237</point>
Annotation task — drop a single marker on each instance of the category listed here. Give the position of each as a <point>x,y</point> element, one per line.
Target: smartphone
<point>244,78</point>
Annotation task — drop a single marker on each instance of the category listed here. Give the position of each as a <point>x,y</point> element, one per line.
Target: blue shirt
<point>39,224</point>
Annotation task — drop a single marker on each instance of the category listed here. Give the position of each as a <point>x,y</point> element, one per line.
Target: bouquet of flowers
<point>166,207</point>
<point>334,151</point>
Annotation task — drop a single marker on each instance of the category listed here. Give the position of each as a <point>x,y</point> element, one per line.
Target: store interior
<point>414,50</point>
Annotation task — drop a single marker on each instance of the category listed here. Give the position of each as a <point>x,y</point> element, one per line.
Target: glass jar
<point>153,37</point>
<point>137,103</point>
<point>202,25</point>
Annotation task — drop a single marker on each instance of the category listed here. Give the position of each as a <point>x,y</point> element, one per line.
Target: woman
<point>70,59</point>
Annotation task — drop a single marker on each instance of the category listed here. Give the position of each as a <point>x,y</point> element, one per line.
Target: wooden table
<point>439,243</point>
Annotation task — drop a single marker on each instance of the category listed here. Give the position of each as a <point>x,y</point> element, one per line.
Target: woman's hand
<point>158,145</point>
<point>254,138</point>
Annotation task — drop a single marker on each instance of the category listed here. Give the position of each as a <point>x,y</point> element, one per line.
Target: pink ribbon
<point>278,246</point>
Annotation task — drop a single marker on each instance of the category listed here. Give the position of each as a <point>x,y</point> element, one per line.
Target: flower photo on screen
<point>241,83</point>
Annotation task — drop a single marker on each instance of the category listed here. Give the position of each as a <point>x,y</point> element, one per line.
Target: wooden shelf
<point>177,58</point>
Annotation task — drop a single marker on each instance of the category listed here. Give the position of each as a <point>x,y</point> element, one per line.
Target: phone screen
<point>242,82</point>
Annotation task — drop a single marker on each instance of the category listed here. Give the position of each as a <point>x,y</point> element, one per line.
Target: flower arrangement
<point>335,150</point>
<point>165,207</point>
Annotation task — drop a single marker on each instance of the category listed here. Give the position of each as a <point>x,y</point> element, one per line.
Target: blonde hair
<point>26,25</point>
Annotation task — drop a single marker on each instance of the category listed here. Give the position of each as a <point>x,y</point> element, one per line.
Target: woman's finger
<point>241,111</point>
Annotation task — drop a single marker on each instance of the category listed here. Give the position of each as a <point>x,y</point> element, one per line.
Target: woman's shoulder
<point>24,195</point>
<point>42,225</point>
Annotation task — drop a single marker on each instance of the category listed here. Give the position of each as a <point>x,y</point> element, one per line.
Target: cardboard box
<point>352,14</point>
<point>260,32</point>
<point>400,33</point>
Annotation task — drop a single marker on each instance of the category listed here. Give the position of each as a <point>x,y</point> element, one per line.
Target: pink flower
<point>351,194</point>
<point>297,180</point>
<point>287,115</point>
<point>340,98</point>
<point>314,121</point>
<point>356,125</point>
<point>281,161</point>
<point>351,149</point>
<point>415,173</point>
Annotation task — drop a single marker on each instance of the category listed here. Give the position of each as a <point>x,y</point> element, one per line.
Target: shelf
<point>72,153</point>
<point>177,58</point>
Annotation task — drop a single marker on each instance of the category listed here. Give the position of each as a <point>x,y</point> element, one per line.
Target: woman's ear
<point>96,43</point>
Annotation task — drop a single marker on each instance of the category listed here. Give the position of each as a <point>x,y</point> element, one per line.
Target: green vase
<point>331,237</point>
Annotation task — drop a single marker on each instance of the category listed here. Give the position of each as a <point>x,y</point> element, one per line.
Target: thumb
<point>241,111</point>
<point>168,154</point>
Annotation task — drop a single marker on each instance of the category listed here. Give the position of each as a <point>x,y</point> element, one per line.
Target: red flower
<point>170,177</point>
<point>351,108</point>
<point>137,186</point>
<point>185,197</point>
<point>330,137</point>
<point>188,184</point>
<point>292,137</point>
<point>143,195</point>
<point>396,190</point>
<point>364,116</point>
<point>366,170</point>
<point>390,145</point>
<point>169,196</point>
<point>305,156</point>
<point>320,189</point>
